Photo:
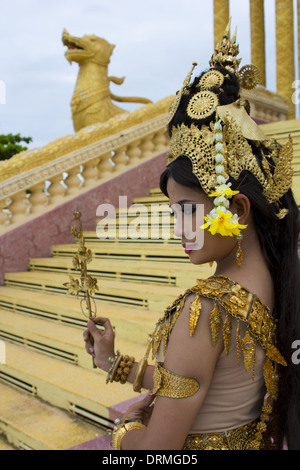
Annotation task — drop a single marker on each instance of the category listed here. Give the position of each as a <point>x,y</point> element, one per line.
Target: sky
<point>156,43</point>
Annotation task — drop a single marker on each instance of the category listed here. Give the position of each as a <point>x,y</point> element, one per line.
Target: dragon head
<point>91,48</point>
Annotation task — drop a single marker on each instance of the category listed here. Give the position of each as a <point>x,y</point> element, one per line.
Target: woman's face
<point>190,205</point>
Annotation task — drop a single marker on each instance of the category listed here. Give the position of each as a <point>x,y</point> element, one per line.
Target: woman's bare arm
<point>188,356</point>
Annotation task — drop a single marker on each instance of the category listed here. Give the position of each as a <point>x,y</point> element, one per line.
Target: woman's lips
<point>189,247</point>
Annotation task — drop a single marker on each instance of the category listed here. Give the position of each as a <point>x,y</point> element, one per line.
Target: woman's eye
<point>186,209</point>
<point>189,209</point>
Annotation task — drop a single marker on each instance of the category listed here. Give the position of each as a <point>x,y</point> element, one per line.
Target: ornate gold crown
<point>221,149</point>
<point>198,145</point>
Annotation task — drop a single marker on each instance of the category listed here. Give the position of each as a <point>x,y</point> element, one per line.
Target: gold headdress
<point>215,137</point>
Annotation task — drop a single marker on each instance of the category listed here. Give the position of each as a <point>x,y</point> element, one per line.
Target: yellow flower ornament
<point>223,223</point>
<point>220,219</point>
<point>224,190</point>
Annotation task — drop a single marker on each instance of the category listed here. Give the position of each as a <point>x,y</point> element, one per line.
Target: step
<point>135,232</point>
<point>153,297</point>
<point>4,444</point>
<point>142,210</point>
<point>64,385</point>
<point>161,252</point>
<point>30,424</point>
<point>155,220</point>
<point>57,340</point>
<point>130,322</point>
<point>135,216</point>
<point>153,199</point>
<point>183,275</point>
<point>144,204</point>
<point>155,192</point>
<point>91,237</point>
<point>135,228</point>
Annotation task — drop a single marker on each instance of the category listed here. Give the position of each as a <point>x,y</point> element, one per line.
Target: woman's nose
<point>178,227</point>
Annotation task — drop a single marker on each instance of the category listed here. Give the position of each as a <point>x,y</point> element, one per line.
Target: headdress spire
<point>226,51</point>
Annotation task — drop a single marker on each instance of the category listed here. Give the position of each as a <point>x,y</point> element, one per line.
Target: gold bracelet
<point>115,364</point>
<point>139,375</point>
<point>121,430</point>
<point>120,368</point>
<point>123,369</point>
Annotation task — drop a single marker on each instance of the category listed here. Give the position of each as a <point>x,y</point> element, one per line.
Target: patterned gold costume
<point>239,305</point>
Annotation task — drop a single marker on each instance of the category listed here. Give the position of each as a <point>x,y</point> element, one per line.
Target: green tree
<point>11,144</point>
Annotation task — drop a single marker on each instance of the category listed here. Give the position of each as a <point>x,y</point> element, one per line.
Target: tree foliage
<point>11,144</point>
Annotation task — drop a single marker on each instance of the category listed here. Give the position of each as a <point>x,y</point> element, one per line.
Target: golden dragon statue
<point>92,100</point>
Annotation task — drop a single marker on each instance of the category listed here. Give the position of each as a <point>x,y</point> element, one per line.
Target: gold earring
<point>239,252</point>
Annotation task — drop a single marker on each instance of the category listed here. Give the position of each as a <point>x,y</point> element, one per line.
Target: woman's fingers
<point>88,342</point>
<point>105,322</point>
<point>145,402</point>
<point>149,399</point>
<point>99,340</point>
<point>140,410</point>
<point>96,332</point>
<point>93,331</point>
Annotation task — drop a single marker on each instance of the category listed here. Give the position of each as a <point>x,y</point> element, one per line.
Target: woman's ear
<point>241,206</point>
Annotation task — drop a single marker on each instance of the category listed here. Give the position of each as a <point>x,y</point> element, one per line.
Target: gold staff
<point>86,284</point>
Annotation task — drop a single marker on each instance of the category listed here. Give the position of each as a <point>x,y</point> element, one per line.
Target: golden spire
<point>226,52</point>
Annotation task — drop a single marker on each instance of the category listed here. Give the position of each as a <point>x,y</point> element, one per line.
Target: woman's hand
<point>100,343</point>
<point>141,410</point>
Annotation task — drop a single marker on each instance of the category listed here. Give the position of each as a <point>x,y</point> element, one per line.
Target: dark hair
<point>279,241</point>
<point>228,93</point>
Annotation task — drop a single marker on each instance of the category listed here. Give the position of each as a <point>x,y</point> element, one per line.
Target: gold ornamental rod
<point>257,20</point>
<point>221,18</point>
<point>285,64</point>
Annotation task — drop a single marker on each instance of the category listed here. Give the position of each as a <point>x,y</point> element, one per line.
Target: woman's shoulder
<point>219,296</point>
<point>258,286</point>
<point>211,308</point>
<point>233,302</point>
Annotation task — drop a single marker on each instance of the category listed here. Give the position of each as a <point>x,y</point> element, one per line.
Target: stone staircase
<point>51,397</point>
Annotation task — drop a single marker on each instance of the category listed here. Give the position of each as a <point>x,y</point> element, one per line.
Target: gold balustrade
<point>24,196</point>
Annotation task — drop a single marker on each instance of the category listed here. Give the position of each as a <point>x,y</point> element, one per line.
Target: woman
<point>227,341</point>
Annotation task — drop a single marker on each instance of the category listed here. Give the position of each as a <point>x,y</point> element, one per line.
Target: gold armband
<point>168,384</point>
<point>139,375</point>
<point>121,430</point>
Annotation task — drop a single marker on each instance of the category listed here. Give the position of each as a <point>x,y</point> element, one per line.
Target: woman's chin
<point>196,257</point>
